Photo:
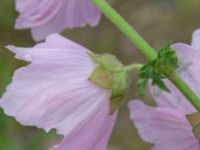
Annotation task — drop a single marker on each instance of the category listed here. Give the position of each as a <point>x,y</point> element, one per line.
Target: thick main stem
<point>149,52</point>
<point>186,91</point>
<point>126,28</point>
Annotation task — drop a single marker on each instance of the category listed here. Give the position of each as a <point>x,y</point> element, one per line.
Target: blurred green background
<point>159,21</point>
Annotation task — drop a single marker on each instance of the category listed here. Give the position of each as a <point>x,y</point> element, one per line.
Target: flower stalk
<point>133,67</point>
<point>145,48</point>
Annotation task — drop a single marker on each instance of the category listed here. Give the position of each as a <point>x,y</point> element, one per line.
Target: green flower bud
<point>110,74</point>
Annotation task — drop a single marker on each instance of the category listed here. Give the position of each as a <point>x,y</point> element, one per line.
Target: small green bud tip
<point>110,74</point>
<point>194,120</point>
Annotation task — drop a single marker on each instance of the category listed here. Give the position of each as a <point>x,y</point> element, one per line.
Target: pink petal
<point>187,144</point>
<point>93,136</point>
<point>46,17</point>
<point>165,127</point>
<point>52,91</point>
<point>196,40</point>
<point>189,62</point>
<point>173,99</point>
<point>57,41</point>
<point>55,47</point>
<point>36,12</point>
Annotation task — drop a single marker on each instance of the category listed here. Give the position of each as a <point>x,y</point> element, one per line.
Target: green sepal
<point>110,74</point>
<point>109,61</point>
<point>194,120</point>
<point>120,84</point>
<point>196,131</point>
<point>115,103</point>
<point>119,88</point>
<point>102,77</point>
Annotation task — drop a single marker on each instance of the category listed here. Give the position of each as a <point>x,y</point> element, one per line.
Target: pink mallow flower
<point>53,16</point>
<point>53,92</point>
<point>166,125</point>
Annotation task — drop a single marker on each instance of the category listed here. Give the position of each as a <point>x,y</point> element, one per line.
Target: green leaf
<point>147,71</point>
<point>164,65</point>
<point>167,61</point>
<point>159,82</point>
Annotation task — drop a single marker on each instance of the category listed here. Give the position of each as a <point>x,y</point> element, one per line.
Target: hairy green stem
<point>149,52</point>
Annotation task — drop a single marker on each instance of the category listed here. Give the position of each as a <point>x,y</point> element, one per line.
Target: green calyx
<point>194,120</point>
<point>110,74</point>
<point>163,66</point>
